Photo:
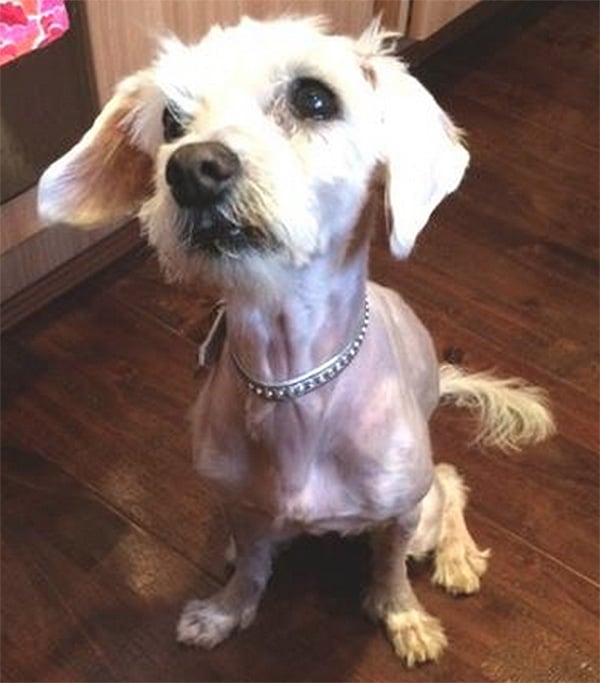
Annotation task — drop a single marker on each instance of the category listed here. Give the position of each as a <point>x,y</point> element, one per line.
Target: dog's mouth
<point>209,231</point>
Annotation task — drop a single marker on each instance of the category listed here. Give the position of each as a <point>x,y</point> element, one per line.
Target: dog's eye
<point>173,127</point>
<point>311,99</point>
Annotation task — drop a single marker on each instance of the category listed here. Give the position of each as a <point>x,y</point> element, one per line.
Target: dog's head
<point>256,147</point>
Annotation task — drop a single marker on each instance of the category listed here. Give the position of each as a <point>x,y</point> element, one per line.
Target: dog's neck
<point>315,316</point>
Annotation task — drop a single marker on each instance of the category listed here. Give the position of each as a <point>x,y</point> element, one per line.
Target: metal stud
<point>296,388</point>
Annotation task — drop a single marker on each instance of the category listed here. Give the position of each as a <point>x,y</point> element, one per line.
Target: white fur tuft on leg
<point>459,563</point>
<point>511,412</point>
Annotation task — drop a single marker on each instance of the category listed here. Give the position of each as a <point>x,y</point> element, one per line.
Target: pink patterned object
<point>27,25</point>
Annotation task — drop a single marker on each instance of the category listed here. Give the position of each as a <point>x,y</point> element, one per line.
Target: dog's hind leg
<point>459,564</point>
<point>208,622</point>
<point>416,636</point>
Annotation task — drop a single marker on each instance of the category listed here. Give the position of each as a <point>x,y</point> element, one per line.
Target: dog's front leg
<point>208,622</point>
<point>417,637</point>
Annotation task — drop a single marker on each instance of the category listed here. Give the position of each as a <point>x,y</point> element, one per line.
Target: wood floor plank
<point>102,595</point>
<point>185,309</point>
<point>488,332</point>
<point>482,347</point>
<point>119,590</point>
<point>558,206</point>
<point>124,431</point>
<point>537,296</point>
<point>546,495</point>
<point>558,89</point>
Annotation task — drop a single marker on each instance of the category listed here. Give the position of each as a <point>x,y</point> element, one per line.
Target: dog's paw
<point>416,636</point>
<point>459,567</point>
<point>206,623</point>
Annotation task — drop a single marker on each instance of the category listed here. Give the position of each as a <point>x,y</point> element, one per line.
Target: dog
<point>248,158</point>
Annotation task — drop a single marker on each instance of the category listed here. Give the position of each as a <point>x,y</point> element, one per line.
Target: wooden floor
<point>106,530</point>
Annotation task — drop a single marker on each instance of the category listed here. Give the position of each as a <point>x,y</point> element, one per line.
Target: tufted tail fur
<point>511,413</point>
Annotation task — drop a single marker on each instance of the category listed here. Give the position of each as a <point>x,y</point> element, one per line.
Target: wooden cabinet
<point>134,25</point>
<point>120,37</point>
<point>428,16</point>
<point>420,19</point>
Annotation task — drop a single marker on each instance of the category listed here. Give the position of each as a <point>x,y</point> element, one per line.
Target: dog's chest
<point>341,474</point>
<point>349,455</point>
<point>325,501</point>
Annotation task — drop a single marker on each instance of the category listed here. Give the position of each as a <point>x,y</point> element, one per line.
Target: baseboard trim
<point>415,52</point>
<point>71,273</point>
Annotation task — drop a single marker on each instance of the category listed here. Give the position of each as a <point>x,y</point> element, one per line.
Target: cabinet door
<point>394,14</point>
<point>428,16</point>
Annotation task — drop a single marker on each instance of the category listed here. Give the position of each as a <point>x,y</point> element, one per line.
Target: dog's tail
<point>511,413</point>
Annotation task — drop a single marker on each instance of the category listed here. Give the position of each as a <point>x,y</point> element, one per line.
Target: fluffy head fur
<point>303,182</point>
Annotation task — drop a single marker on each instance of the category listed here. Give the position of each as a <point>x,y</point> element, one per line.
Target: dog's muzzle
<point>201,176</point>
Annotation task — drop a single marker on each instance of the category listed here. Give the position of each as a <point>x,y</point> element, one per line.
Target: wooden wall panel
<point>123,35</point>
<point>394,14</point>
<point>428,16</point>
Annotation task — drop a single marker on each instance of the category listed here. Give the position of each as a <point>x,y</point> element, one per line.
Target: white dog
<point>248,158</point>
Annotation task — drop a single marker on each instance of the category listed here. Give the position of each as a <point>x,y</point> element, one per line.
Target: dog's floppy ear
<point>420,147</point>
<point>108,174</point>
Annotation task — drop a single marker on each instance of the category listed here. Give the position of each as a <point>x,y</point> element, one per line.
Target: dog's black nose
<point>199,173</point>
